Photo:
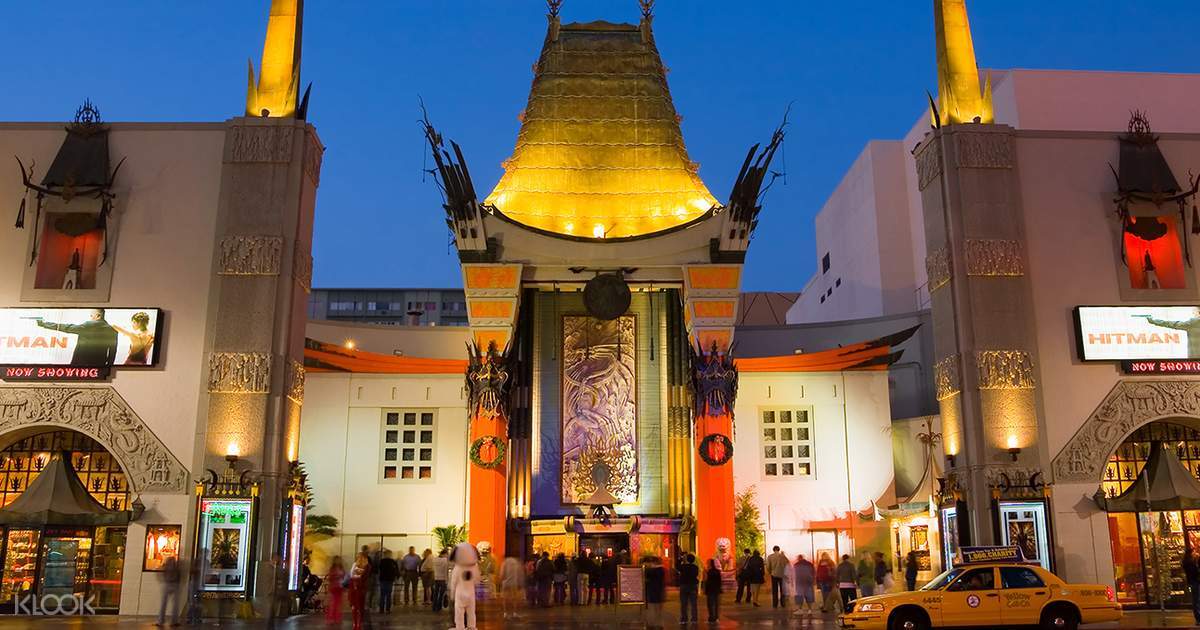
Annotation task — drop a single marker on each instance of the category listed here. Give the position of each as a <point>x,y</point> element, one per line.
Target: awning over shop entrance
<point>57,497</point>
<point>1164,484</point>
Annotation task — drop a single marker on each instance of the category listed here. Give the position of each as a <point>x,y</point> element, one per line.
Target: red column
<point>488,499</point>
<point>714,485</point>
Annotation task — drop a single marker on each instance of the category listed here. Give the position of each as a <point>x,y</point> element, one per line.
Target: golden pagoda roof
<point>600,153</point>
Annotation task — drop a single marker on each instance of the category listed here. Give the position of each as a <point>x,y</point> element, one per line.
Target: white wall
<point>340,447</point>
<point>162,251</point>
<point>852,451</point>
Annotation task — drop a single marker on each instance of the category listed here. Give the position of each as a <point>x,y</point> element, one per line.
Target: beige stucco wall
<point>162,253</point>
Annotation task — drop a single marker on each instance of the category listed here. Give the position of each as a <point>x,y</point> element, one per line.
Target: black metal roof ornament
<point>1143,175</point>
<point>745,200</point>
<point>80,169</point>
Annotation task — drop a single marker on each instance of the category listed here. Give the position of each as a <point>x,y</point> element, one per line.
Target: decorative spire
<point>275,94</point>
<point>553,6</point>
<point>960,99</point>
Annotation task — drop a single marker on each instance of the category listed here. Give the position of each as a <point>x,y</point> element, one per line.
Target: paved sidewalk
<point>566,617</point>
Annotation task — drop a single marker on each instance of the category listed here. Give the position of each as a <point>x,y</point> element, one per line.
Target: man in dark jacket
<point>756,575</point>
<point>389,571</point>
<point>1191,571</point>
<point>543,572</point>
<point>96,345</point>
<point>743,586</point>
<point>689,589</point>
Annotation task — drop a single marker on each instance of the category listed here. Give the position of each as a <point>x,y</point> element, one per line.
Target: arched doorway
<point>1148,546</point>
<point>62,553</point>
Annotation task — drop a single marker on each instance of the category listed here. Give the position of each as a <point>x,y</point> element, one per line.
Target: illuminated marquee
<point>1137,333</point>
<point>87,340</point>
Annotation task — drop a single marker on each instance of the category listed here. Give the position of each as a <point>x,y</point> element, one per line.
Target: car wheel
<point>1060,618</point>
<point>904,620</point>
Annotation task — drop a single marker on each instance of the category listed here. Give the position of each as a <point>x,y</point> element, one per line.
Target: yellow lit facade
<point>600,153</point>
<point>960,98</point>
<point>279,79</point>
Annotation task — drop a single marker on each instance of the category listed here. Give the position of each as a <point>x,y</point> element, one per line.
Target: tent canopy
<point>1164,484</point>
<point>57,497</point>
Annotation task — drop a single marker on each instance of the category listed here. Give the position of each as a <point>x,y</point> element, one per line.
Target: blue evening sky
<point>855,70</point>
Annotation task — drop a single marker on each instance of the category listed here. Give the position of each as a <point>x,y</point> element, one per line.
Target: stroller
<point>309,589</point>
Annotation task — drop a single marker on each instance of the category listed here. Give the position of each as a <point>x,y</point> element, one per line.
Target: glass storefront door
<point>65,562</point>
<point>1162,557</point>
<point>108,564</point>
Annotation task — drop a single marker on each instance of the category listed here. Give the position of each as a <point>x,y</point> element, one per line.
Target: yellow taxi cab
<point>989,587</point>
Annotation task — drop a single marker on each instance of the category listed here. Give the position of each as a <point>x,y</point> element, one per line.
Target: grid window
<point>787,447</point>
<point>96,469</point>
<point>407,443</point>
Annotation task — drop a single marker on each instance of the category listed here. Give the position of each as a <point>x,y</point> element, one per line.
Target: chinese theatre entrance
<point>1152,496</point>
<point>65,508</point>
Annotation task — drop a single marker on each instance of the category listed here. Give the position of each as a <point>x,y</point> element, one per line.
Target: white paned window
<point>406,445</point>
<point>787,442</point>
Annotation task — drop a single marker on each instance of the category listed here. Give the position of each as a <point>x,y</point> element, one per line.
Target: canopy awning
<point>57,497</point>
<point>1164,484</point>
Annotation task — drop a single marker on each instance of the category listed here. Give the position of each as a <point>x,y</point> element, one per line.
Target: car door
<point>972,599</point>
<point>1022,595</point>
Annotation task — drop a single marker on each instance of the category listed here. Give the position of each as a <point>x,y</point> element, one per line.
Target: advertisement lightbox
<point>79,337</point>
<point>1137,333</point>
<point>225,530</point>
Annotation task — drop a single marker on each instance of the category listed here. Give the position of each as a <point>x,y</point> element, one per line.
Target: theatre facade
<point>152,302</point>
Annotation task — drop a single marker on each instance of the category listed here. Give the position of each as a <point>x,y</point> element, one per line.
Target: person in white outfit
<point>464,575</point>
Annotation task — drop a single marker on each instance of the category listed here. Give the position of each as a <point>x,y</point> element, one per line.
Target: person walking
<point>805,576</point>
<point>743,586</point>
<point>866,575</point>
<point>825,582</point>
<point>337,585</point>
<point>689,589</point>
<point>712,590</point>
<point>441,575</point>
<point>910,571</point>
<point>171,576</point>
<point>512,582</point>
<point>655,585</point>
<point>544,573</point>
<point>1191,571</point>
<point>280,604</point>
<point>410,572</point>
<point>756,576</point>
<point>610,581</point>
<point>425,573</point>
<point>883,574</point>
<point>847,577</point>
<point>560,579</point>
<point>372,583</point>
<point>389,571</point>
<point>360,583</point>
<point>777,564</point>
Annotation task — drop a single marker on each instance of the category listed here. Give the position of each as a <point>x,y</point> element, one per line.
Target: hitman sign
<point>76,343</point>
<point>1145,339</point>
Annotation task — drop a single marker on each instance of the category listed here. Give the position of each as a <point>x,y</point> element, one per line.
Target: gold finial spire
<point>960,99</point>
<point>275,94</point>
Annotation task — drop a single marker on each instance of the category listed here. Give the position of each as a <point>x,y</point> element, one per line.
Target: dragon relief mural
<point>599,406</point>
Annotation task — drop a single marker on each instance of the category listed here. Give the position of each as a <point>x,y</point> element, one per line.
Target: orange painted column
<point>714,484</point>
<point>487,496</point>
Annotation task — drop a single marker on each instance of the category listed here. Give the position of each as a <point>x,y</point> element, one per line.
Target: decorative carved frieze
<point>250,255</point>
<point>1129,405</point>
<point>239,373</point>
<point>929,164</point>
<point>984,150</point>
<point>295,382</point>
<point>1005,369</point>
<point>946,377</point>
<point>937,268</point>
<point>262,143</point>
<point>1015,482</point>
<point>302,267</point>
<point>993,257</point>
<point>102,414</point>
<point>313,154</point>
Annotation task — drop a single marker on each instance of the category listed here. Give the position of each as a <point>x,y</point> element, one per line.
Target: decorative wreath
<point>478,445</point>
<point>716,449</point>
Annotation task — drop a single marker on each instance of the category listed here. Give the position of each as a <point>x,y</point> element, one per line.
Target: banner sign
<point>1161,367</point>
<point>96,338</point>
<point>971,555</point>
<point>1137,333</point>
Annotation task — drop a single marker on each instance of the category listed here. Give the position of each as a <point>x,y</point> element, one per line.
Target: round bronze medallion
<point>716,449</point>
<point>606,296</point>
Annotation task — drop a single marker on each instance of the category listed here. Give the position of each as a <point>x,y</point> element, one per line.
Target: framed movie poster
<point>225,529</point>
<point>80,337</point>
<point>162,543</point>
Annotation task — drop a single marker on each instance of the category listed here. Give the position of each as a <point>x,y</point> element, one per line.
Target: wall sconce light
<point>1013,449</point>
<point>231,452</point>
<point>349,344</point>
<point>950,458</point>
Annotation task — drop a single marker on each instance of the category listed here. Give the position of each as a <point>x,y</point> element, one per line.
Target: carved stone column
<point>261,275</point>
<point>984,334</point>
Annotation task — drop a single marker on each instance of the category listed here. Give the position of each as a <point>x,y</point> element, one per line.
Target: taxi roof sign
<point>976,555</point>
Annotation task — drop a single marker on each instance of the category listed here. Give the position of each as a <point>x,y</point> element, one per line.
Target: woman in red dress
<point>358,589</point>
<point>333,613</point>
